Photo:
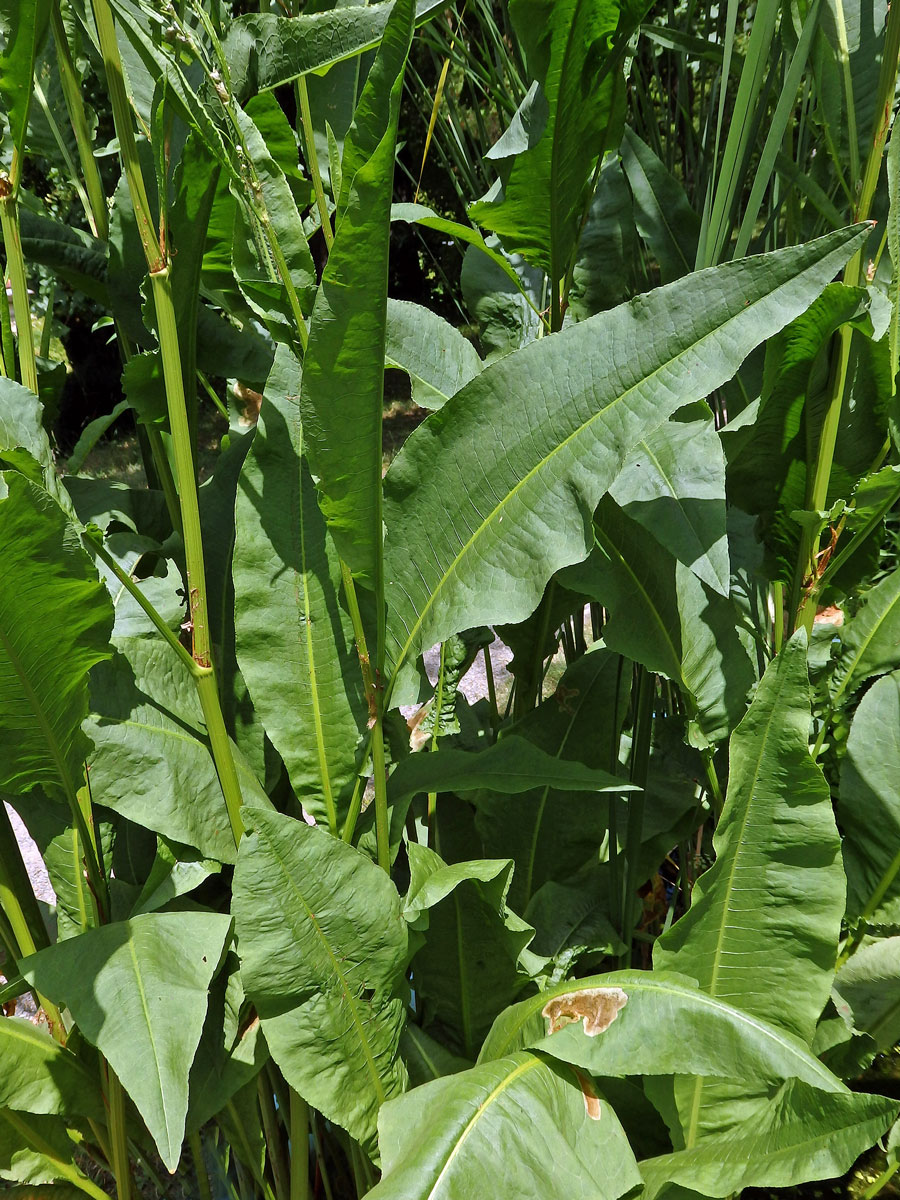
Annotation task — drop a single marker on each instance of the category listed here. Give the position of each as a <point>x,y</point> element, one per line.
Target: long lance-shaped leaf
<point>764,921</point>
<point>559,1138</point>
<point>869,640</point>
<point>495,492</point>
<point>343,367</point>
<point>294,641</point>
<point>138,991</point>
<point>662,1025</point>
<point>55,623</point>
<point>323,949</point>
<point>266,51</point>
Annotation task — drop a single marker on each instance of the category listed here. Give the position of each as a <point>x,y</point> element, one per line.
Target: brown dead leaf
<point>596,1008</point>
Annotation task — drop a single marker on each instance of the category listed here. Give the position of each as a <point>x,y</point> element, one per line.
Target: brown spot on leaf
<point>596,1008</point>
<point>591,1099</point>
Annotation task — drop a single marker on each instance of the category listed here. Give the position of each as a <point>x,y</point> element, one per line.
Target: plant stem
<point>273,1137</point>
<point>98,215</point>
<point>299,1148</point>
<point>312,161</point>
<point>118,1133</point>
<point>15,266</point>
<point>642,738</point>
<point>135,592</point>
<point>804,606</point>
<point>193,550</point>
<point>115,82</point>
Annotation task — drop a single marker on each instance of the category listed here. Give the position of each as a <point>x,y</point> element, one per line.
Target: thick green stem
<point>273,1137</point>
<point>118,1132</point>
<point>641,740</point>
<point>854,275</point>
<point>71,87</point>
<point>134,591</point>
<point>193,548</point>
<point>312,161</point>
<point>15,267</point>
<point>299,1148</point>
<point>115,82</point>
<point>196,1146</point>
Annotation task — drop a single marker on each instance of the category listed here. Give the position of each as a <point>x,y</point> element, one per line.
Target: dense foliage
<point>325,924</point>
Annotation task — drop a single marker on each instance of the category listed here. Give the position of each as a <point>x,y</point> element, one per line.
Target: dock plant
<point>326,922</point>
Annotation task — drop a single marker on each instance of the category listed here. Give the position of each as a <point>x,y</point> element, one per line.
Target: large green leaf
<point>36,1150</point>
<point>294,641</point>
<point>547,186</point>
<point>138,991</point>
<point>24,444</point>
<point>343,367</point>
<point>666,1026</point>
<point>323,947</point>
<point>549,833</point>
<point>55,623</point>
<point>869,805</point>
<point>869,640</point>
<point>435,356</point>
<point>465,973</point>
<point>40,1076</point>
<point>867,987</point>
<point>673,483</point>
<point>522,1126</point>
<point>265,51</point>
<point>539,436</point>
<point>664,617</point>
<point>152,761</point>
<point>802,1134</point>
<point>765,919</point>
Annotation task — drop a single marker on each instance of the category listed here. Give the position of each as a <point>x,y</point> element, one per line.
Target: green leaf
<point>323,950</point>
<point>869,805</point>
<point>801,1134</point>
<point>662,616</point>
<point>24,444</point>
<point>55,623</point>
<point>503,295</point>
<point>465,972</point>
<point>427,1059</point>
<point>442,1141</point>
<point>765,919</point>
<point>511,766</point>
<point>435,356</point>
<point>673,483</point>
<point>343,372</point>
<point>265,51</point>
<point>294,641</point>
<point>40,1076</point>
<point>251,249</point>
<point>666,1026</point>
<point>24,23</point>
<point>152,761</point>
<point>36,1149</point>
<point>867,988</point>
<point>606,267</point>
<point>664,218</point>
<point>120,982</point>
<point>69,252</point>
<point>549,831</point>
<point>547,187</point>
<point>869,640</point>
<point>540,435</point>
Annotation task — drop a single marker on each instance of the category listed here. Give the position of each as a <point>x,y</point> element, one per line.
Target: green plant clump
<point>329,923</point>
